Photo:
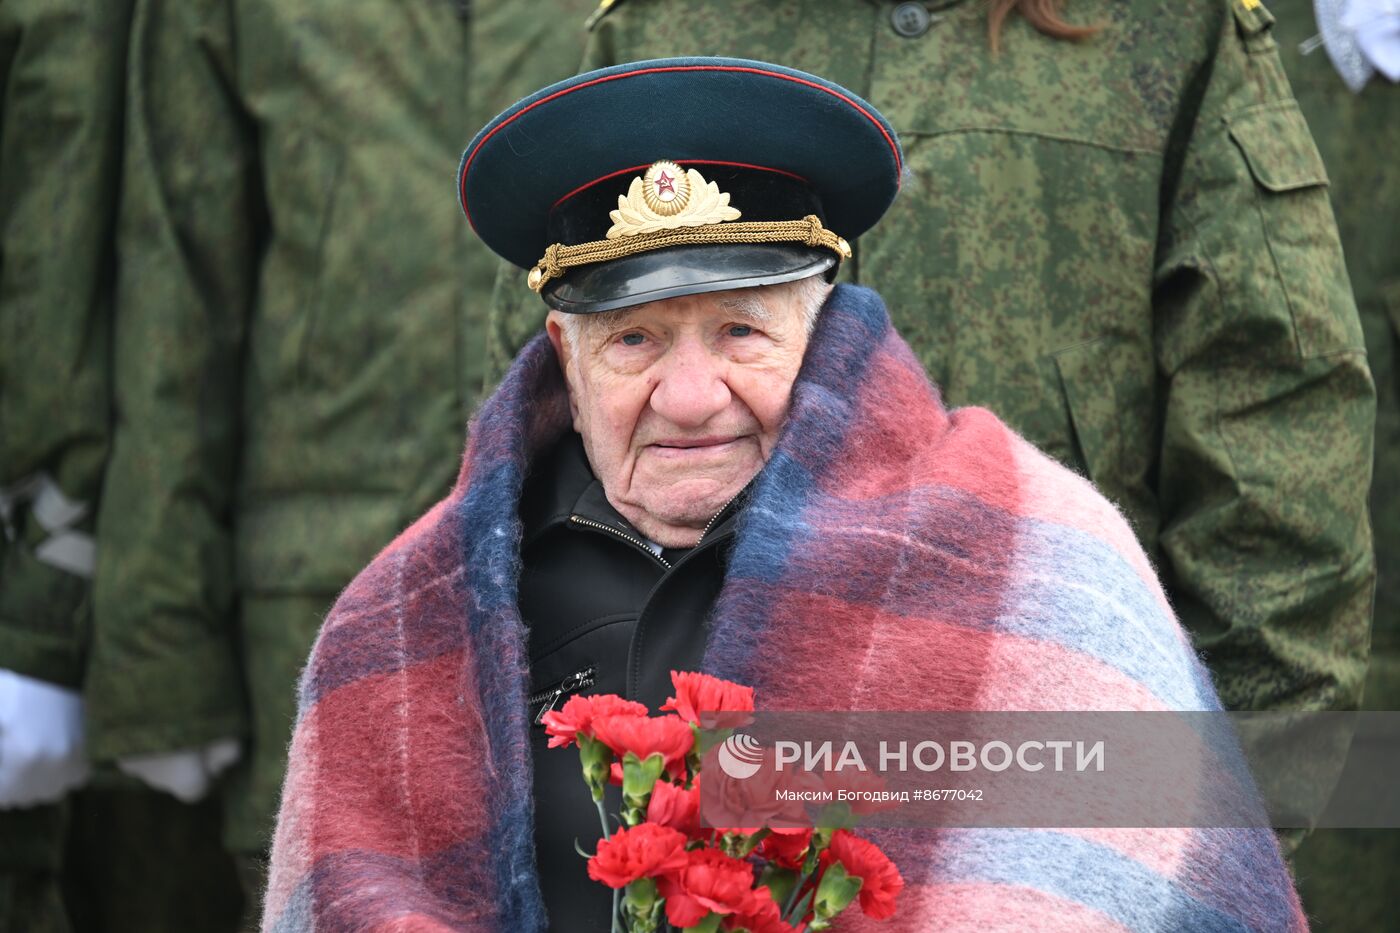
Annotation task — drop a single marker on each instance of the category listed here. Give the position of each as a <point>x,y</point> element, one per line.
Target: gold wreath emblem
<point>668,197</point>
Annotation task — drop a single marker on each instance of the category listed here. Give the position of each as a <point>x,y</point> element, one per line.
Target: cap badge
<point>668,197</point>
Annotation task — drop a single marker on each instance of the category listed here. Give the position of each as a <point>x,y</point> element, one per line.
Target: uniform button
<point>910,20</point>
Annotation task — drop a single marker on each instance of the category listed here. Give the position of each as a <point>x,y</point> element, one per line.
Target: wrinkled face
<point>680,402</point>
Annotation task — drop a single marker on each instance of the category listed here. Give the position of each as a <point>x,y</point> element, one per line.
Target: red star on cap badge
<point>665,183</point>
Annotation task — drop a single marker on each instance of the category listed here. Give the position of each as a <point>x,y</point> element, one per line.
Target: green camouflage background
<point>299,341</point>
<point>101,860</point>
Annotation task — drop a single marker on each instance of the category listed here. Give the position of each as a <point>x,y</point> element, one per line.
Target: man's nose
<point>691,387</point>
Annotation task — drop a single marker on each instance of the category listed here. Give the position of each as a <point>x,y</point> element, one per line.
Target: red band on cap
<point>682,162</point>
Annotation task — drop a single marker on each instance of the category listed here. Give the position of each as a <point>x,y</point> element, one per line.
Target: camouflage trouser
<point>141,860</point>
<point>1347,880</point>
<point>117,858</point>
<point>1348,877</point>
<point>252,872</point>
<point>31,854</point>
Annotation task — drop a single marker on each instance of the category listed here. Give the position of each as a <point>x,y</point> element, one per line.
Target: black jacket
<point>605,615</point>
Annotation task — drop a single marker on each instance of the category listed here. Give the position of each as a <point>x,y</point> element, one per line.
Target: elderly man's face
<point>679,402</point>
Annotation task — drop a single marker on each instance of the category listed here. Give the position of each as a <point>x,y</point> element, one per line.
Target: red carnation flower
<point>676,808</point>
<point>696,692</point>
<point>760,914</point>
<point>579,714</point>
<point>786,849</point>
<point>709,881</point>
<point>770,797</point>
<point>880,879</point>
<point>666,736</point>
<point>643,851</point>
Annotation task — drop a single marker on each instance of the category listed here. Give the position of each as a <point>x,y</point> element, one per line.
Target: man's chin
<point>673,526</point>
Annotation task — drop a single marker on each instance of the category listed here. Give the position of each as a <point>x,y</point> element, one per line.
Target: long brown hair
<point>1044,15</point>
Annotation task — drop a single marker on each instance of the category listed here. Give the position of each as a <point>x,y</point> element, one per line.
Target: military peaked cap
<point>678,176</point>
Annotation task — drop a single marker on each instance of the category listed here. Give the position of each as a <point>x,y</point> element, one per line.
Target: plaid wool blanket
<point>893,555</point>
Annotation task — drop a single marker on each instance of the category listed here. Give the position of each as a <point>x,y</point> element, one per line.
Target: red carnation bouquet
<point>771,875</point>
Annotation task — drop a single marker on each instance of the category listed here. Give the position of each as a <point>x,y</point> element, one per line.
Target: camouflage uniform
<point>1348,877</point>
<point>299,341</point>
<point>61,67</point>
<point>1123,247</point>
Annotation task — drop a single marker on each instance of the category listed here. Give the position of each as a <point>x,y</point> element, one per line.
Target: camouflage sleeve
<point>61,64</point>
<point>515,313</point>
<point>1267,435</point>
<point>163,673</point>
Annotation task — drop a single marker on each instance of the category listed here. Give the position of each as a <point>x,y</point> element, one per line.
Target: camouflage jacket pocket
<point>1278,147</point>
<point>1298,226</point>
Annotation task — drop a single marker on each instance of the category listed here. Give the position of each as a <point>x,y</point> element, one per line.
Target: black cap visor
<point>683,270</point>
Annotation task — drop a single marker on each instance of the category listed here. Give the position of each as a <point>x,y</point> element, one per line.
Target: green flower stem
<point>602,818</point>
<point>752,842</point>
<point>809,865</point>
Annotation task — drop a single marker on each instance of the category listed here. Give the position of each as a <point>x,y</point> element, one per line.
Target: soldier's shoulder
<point>1153,30</point>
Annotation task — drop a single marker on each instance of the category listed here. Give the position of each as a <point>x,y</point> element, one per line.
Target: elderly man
<point>713,460</point>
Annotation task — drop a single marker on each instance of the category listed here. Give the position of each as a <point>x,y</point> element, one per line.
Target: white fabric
<point>1376,25</point>
<point>41,741</point>
<point>185,774</point>
<point>1361,38</point>
<point>71,551</point>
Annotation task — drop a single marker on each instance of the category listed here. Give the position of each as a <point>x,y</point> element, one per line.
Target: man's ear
<point>555,330</point>
<point>565,353</point>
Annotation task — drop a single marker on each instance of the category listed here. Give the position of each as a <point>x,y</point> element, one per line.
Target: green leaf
<point>709,925</point>
<point>836,891</point>
<point>639,778</point>
<point>780,882</point>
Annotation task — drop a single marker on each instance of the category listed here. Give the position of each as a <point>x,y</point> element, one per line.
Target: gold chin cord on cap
<point>671,206</point>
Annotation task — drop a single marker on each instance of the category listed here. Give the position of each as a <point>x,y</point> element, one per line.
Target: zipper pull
<point>575,682</point>
<point>550,702</point>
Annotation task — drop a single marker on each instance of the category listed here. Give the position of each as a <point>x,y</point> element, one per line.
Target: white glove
<point>185,774</point>
<point>41,741</point>
<point>1376,25</point>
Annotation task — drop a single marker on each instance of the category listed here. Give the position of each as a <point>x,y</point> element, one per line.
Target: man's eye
<point>740,330</point>
<point>632,340</point>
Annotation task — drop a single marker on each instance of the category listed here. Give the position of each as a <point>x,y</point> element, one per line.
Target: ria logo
<point>740,756</point>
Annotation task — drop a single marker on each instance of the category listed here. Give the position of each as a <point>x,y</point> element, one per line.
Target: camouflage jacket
<point>61,65</point>
<point>299,335</point>
<point>1124,247</point>
<point>1359,136</point>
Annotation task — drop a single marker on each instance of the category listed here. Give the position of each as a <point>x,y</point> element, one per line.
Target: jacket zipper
<point>714,518</point>
<point>579,520</point>
<point>549,699</point>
